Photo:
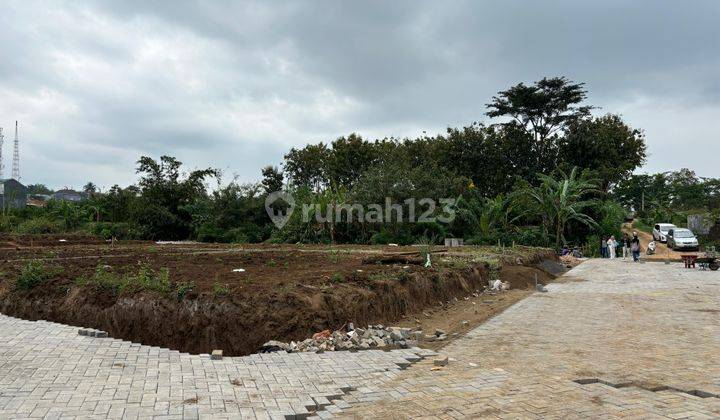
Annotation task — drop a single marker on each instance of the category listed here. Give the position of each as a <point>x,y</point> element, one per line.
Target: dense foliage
<point>544,172</point>
<point>670,197</point>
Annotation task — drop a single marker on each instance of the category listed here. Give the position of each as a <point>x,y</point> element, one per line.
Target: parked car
<point>660,231</point>
<point>682,239</point>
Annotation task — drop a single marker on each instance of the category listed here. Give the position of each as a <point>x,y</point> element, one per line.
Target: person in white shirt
<point>612,247</point>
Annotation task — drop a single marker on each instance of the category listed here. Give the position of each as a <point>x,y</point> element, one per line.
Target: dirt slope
<point>662,252</point>
<point>235,298</point>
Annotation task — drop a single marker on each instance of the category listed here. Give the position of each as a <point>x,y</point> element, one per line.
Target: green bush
<point>612,216</point>
<point>32,274</point>
<point>239,235</point>
<point>39,226</point>
<point>393,234</point>
<point>592,248</point>
<point>108,230</point>
<point>526,235</point>
<point>7,222</point>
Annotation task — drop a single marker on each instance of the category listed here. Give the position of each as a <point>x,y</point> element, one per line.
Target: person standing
<point>635,247</point>
<point>626,246</point>
<point>603,248</point>
<point>612,247</point>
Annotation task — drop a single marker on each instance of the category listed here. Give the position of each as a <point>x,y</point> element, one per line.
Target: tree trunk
<point>558,234</point>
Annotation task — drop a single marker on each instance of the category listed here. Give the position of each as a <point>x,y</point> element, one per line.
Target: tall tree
<point>272,179</point>
<point>39,189</point>
<point>166,194</point>
<point>90,188</point>
<point>687,189</point>
<point>307,166</point>
<point>348,158</point>
<point>544,109</point>
<point>605,145</point>
<point>643,192</point>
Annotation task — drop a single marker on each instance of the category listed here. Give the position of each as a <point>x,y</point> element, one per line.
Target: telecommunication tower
<point>2,140</point>
<point>16,156</point>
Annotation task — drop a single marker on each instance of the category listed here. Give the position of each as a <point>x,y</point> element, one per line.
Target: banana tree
<point>563,200</point>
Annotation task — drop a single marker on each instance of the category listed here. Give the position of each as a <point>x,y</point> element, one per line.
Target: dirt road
<point>662,252</point>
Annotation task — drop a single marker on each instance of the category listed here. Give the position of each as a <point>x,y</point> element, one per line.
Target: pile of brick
<point>374,336</point>
<point>89,332</point>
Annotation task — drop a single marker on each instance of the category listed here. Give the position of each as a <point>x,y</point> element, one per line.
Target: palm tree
<point>563,200</point>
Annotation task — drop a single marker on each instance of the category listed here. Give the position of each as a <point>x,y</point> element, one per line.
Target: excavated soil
<point>284,293</point>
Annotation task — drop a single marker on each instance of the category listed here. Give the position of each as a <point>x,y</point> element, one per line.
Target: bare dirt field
<point>200,297</point>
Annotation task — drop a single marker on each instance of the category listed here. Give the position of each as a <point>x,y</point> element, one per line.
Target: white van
<point>660,231</point>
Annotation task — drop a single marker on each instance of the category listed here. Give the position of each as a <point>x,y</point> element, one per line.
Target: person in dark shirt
<point>635,247</point>
<point>626,246</point>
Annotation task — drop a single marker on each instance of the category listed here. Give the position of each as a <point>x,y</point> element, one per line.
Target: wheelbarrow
<point>708,260</point>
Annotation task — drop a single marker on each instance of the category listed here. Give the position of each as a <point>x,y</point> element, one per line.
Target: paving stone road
<point>612,339</point>
<point>47,370</point>
<point>644,340</point>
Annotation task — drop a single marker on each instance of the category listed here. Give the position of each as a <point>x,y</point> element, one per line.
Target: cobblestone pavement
<point>611,339</point>
<point>48,371</point>
<point>641,340</point>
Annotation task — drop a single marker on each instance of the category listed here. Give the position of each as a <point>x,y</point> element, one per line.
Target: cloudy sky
<point>233,84</point>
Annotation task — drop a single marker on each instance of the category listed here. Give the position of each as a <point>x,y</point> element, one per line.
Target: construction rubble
<point>372,337</point>
<point>377,336</point>
<point>570,261</point>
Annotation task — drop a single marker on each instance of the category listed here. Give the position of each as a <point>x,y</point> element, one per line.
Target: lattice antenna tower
<point>2,140</point>
<point>16,156</point>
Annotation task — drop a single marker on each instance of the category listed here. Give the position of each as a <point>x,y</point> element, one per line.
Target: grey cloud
<point>235,84</point>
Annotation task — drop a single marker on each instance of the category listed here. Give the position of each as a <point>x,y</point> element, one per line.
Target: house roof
<point>3,181</point>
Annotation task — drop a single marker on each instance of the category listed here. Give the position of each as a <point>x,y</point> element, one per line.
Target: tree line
<point>542,170</point>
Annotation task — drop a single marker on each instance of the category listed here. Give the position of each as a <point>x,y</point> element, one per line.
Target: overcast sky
<point>234,85</point>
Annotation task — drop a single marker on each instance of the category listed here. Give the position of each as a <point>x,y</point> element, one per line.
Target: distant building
<point>68,195</point>
<point>700,224</point>
<point>41,197</point>
<point>12,194</point>
<point>36,202</point>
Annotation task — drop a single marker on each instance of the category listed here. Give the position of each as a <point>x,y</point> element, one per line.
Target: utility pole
<point>16,156</point>
<point>643,200</point>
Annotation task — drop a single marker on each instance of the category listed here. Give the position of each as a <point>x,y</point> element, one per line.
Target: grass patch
<point>380,276</point>
<point>145,279</point>
<point>33,273</point>
<point>642,225</point>
<point>220,289</point>
<point>401,276</point>
<point>437,278</point>
<point>456,263</point>
<point>337,278</point>
<point>183,289</point>
<point>337,255</point>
